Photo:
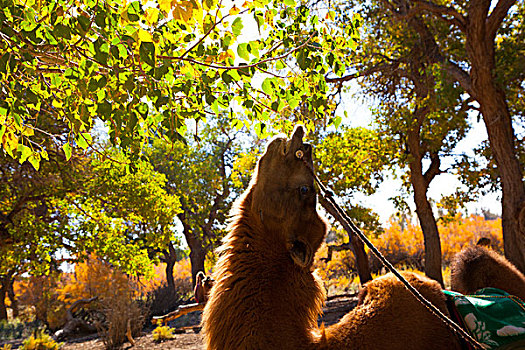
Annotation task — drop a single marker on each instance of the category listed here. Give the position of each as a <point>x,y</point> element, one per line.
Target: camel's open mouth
<point>301,253</point>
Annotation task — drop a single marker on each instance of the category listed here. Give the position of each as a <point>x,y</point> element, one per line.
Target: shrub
<point>16,329</point>
<point>37,294</point>
<point>11,329</point>
<point>163,300</point>
<point>93,278</point>
<point>162,333</point>
<point>124,319</point>
<point>40,341</point>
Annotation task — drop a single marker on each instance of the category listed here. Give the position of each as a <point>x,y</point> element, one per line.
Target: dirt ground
<point>188,341</point>
<point>189,338</point>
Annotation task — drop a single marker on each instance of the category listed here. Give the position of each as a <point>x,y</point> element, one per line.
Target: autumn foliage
<point>402,244</point>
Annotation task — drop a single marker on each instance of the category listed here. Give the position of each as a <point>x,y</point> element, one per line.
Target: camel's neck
<point>259,291</point>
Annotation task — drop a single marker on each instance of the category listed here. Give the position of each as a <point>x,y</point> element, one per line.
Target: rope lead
<point>328,195</point>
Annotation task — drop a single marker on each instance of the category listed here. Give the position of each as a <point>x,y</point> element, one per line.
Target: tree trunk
<point>501,137</point>
<point>197,257</point>
<point>363,268</point>
<point>12,298</point>
<point>3,308</point>
<point>197,252</point>
<point>429,228</point>
<point>3,293</point>
<point>498,121</point>
<point>420,182</point>
<point>170,258</point>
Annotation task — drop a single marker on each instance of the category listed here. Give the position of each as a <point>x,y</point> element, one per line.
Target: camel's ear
<point>296,140</point>
<point>298,133</point>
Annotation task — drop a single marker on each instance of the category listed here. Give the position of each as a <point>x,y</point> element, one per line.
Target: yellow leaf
<point>234,10</point>
<point>247,4</point>
<point>186,10</point>
<point>145,36</point>
<point>165,5</point>
<point>27,131</point>
<point>170,37</point>
<point>182,10</point>
<point>152,15</point>
<point>186,69</point>
<point>124,17</point>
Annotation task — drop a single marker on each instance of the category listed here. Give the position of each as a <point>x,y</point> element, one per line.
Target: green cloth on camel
<point>493,317</point>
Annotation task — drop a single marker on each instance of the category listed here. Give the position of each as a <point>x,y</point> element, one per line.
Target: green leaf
<point>81,142</point>
<point>242,50</point>
<point>337,121</point>
<point>237,26</point>
<point>62,31</point>
<point>84,23</point>
<point>31,96</point>
<point>3,62</point>
<point>289,3</point>
<point>25,152</point>
<point>267,86</point>
<point>147,53</point>
<point>215,107</point>
<point>104,109</point>
<point>293,102</point>
<point>226,77</point>
<point>34,159</point>
<point>67,150</point>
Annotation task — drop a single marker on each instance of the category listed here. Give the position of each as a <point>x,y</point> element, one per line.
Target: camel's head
<point>284,197</point>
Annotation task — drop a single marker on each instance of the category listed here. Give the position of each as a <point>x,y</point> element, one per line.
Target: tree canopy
<point>144,68</point>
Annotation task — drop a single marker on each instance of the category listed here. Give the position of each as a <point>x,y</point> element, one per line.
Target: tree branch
<point>433,170</point>
<point>366,72</point>
<point>215,66</point>
<point>219,199</point>
<point>457,20</point>
<point>477,14</point>
<point>496,17</point>
<point>337,248</point>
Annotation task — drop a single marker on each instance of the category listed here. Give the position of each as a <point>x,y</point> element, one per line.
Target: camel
<point>477,267</point>
<point>266,295</point>
<point>202,287</point>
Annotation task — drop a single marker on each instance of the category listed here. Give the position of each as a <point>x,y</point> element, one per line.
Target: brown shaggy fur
<point>389,317</point>
<point>267,297</point>
<point>478,267</point>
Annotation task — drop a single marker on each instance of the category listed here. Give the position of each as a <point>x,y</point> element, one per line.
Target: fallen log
<point>181,311</point>
<point>76,325</point>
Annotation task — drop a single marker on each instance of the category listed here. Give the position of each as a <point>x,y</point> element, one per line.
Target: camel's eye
<point>303,190</point>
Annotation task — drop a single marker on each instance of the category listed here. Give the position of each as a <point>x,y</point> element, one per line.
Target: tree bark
<point>170,258</point>
<point>12,298</point>
<point>501,137</point>
<point>420,182</point>
<point>480,34</point>
<point>428,226</point>
<point>197,257</point>
<point>3,292</point>
<point>358,248</point>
